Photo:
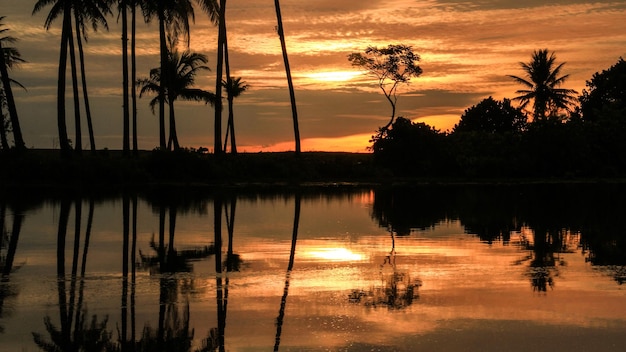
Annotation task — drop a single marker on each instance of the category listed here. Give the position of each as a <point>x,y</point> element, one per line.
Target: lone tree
<point>542,86</point>
<point>392,66</point>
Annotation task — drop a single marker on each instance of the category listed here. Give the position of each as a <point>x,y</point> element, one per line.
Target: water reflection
<point>73,334</point>
<point>8,240</point>
<point>292,254</point>
<point>169,271</point>
<point>395,290</point>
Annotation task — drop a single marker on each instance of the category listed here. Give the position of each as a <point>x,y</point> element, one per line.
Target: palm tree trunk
<point>173,135</point>
<point>8,93</point>
<point>217,142</point>
<point>126,118</point>
<point>231,116</point>
<point>133,60</point>
<point>78,147</point>
<point>163,49</point>
<point>61,122</point>
<point>4,144</point>
<point>294,110</point>
<point>81,57</point>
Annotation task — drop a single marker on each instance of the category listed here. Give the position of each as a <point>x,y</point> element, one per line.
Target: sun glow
<point>334,254</point>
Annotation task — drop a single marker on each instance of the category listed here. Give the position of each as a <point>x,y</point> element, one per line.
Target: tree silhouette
<point>542,84</point>
<point>391,66</point>
<point>8,58</point>
<point>173,17</point>
<point>234,87</point>
<point>93,11</point>
<point>492,116</point>
<point>60,8</point>
<point>221,42</point>
<point>182,70</point>
<point>606,92</point>
<point>292,94</point>
<point>123,9</point>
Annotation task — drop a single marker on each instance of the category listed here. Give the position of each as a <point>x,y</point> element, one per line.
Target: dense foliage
<point>493,140</point>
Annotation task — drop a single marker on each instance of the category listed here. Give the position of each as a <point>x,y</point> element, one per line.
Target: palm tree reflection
<point>215,339</point>
<point>8,239</point>
<point>173,332</point>
<point>74,334</point>
<point>292,253</point>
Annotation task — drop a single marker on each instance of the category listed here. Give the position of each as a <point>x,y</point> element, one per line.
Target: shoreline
<point>44,169</point>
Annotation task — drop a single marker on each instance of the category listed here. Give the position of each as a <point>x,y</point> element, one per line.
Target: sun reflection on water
<point>334,254</point>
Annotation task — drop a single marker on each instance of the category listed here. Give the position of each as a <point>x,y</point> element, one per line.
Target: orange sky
<point>467,49</point>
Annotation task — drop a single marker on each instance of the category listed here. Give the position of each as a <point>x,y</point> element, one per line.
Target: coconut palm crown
<point>542,82</point>
<point>181,72</point>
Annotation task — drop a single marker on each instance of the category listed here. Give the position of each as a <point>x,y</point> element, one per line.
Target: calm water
<point>463,268</point>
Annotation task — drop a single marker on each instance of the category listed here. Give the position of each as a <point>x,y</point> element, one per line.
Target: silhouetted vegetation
<point>493,139</point>
<point>391,66</point>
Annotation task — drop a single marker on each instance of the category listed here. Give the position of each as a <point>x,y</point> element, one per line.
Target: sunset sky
<point>466,49</point>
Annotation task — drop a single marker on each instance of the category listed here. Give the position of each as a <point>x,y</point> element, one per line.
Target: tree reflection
<point>215,338</point>
<point>396,289</point>
<point>544,260</point>
<point>173,332</point>
<point>292,253</point>
<point>74,333</point>
<point>167,258</point>
<point>8,240</point>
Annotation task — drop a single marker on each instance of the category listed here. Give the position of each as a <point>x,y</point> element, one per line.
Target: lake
<point>535,267</point>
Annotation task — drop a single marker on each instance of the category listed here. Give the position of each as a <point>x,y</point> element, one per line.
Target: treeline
<point>495,139</point>
<point>172,80</point>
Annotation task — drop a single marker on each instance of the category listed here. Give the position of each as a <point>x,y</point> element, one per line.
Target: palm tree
<point>60,8</point>
<point>221,41</point>
<point>294,111</point>
<point>173,17</point>
<point>181,71</point>
<point>93,11</point>
<point>123,6</point>
<point>133,68</point>
<point>8,58</point>
<point>234,88</point>
<point>542,86</point>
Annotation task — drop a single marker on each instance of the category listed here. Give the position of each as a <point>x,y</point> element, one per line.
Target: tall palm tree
<point>123,7</point>
<point>133,68</point>
<point>234,88</point>
<point>173,17</point>
<point>294,110</point>
<point>8,58</point>
<point>93,11</point>
<point>60,8</point>
<point>181,71</point>
<point>542,84</point>
<point>221,41</point>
